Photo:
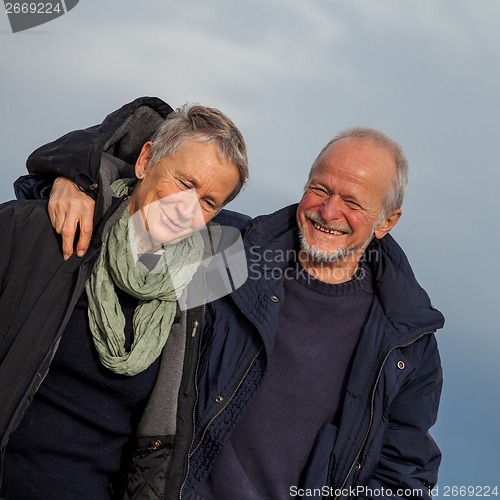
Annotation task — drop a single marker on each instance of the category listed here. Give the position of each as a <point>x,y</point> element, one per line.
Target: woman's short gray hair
<point>393,199</point>
<point>193,122</point>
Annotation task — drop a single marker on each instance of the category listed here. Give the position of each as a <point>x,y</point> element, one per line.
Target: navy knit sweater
<point>318,331</point>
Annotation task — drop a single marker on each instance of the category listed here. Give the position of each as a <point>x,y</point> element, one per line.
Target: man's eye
<point>318,189</point>
<point>185,184</point>
<point>352,204</point>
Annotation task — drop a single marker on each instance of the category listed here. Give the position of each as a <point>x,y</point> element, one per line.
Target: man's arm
<point>70,207</point>
<point>71,211</point>
<point>77,156</point>
<point>121,134</point>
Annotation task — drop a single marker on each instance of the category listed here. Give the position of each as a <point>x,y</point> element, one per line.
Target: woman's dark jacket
<point>38,291</point>
<point>393,391</point>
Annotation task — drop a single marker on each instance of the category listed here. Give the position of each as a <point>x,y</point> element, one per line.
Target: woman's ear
<point>141,165</point>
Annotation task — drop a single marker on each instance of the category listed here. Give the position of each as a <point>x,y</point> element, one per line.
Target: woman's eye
<point>209,206</point>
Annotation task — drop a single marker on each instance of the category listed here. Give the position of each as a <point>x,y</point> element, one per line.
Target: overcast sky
<point>291,74</point>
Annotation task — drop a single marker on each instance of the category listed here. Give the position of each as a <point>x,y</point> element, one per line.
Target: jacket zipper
<point>372,402</point>
<point>227,402</point>
<point>191,451</point>
<point>196,324</point>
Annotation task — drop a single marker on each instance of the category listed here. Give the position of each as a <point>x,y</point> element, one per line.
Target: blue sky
<point>291,74</point>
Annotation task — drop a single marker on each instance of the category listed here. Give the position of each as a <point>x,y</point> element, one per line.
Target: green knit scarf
<point>157,290</point>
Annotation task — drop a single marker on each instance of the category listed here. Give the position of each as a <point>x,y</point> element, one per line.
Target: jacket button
<point>274,298</point>
<point>358,467</point>
<point>401,365</point>
<point>219,399</point>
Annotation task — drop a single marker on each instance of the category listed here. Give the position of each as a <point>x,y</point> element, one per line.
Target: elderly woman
<point>94,356</point>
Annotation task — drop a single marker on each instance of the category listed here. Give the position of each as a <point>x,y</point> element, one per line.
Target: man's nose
<point>331,208</point>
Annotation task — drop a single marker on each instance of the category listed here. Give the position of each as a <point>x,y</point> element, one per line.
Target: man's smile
<point>333,229</point>
<point>324,229</point>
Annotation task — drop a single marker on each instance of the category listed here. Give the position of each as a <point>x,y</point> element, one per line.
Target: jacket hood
<point>405,303</point>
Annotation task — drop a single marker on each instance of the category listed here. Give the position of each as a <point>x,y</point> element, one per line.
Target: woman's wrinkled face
<point>182,192</point>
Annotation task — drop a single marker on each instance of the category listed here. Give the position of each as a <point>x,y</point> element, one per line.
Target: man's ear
<point>141,165</point>
<point>388,223</point>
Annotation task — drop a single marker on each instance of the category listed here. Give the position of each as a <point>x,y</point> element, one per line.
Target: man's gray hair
<point>393,199</point>
<point>193,122</point>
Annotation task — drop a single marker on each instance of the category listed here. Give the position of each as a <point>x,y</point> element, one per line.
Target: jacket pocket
<point>320,461</point>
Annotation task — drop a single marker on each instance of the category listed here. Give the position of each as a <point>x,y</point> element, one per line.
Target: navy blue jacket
<point>382,442</point>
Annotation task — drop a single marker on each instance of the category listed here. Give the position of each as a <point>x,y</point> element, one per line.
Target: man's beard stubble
<point>322,256</point>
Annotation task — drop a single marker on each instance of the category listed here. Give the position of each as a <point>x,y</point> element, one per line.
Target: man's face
<point>342,206</point>
<point>182,192</point>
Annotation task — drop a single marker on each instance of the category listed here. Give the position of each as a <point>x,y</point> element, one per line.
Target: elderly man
<point>93,349</point>
<point>320,376</point>
<point>336,379</point>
